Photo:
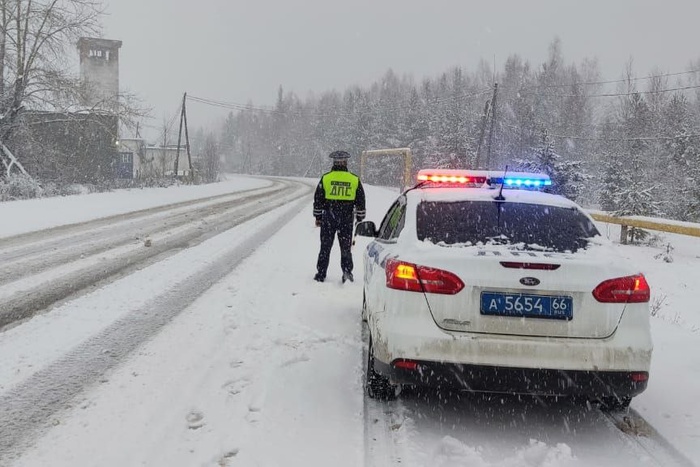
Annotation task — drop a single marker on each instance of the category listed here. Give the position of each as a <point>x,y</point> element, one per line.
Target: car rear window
<point>530,226</point>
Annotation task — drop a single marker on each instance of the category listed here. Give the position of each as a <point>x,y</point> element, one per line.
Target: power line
<point>240,106</point>
<point>174,118</point>
<point>614,81</point>
<point>622,94</point>
<point>167,124</point>
<point>569,137</point>
<point>249,107</point>
<point>594,138</point>
<point>228,105</point>
<point>642,138</point>
<point>244,107</point>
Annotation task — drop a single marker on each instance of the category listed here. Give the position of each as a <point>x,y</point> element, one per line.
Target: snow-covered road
<point>40,269</point>
<point>221,355</point>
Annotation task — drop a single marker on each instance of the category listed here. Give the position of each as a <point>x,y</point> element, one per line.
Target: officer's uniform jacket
<point>339,193</point>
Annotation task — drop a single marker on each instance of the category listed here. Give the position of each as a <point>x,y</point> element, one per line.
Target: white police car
<point>472,286</point>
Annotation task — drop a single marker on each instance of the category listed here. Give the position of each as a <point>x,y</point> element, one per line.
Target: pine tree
<point>683,165</point>
<point>517,110</point>
<point>636,192</point>
<point>687,157</point>
<point>567,177</point>
<point>635,196</point>
<point>390,101</point>
<point>609,166</point>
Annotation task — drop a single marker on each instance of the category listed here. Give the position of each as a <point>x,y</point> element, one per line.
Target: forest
<point>629,145</point>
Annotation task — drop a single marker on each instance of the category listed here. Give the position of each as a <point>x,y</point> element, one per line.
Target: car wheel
<point>615,404</point>
<point>378,386</point>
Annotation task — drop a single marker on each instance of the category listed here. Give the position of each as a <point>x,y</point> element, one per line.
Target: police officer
<point>339,197</point>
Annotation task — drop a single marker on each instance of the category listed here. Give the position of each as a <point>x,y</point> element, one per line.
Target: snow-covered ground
<point>670,404</point>
<point>265,368</point>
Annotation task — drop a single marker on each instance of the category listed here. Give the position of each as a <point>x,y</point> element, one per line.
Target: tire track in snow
<point>385,433</point>
<point>641,433</point>
<point>27,303</point>
<point>23,240</point>
<point>25,410</point>
<point>383,425</point>
<point>421,429</point>
<point>52,249</point>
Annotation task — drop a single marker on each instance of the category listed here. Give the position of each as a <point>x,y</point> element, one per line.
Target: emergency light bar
<point>480,177</point>
<point>453,176</point>
<point>520,181</point>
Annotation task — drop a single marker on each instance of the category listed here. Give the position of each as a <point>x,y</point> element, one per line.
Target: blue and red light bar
<point>481,177</point>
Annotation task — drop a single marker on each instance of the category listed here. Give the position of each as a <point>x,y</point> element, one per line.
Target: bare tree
<point>164,162</point>
<point>34,38</point>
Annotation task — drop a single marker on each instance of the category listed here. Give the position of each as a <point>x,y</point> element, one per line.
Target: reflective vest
<point>340,185</point>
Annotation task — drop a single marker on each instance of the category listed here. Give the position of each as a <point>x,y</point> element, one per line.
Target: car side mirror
<point>366,229</point>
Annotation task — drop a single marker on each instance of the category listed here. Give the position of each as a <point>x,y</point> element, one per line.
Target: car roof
<point>452,194</point>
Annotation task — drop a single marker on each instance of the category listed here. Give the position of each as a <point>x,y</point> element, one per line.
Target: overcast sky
<point>241,50</point>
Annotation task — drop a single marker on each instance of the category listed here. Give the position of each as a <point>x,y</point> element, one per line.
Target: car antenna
<point>416,186</point>
<point>503,182</point>
<point>500,198</point>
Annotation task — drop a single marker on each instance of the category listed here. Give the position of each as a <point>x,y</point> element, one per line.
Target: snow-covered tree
<point>632,146</point>
<point>609,165</point>
<point>682,172</point>
<point>636,195</point>
<point>567,177</point>
<point>210,159</point>
<point>636,192</point>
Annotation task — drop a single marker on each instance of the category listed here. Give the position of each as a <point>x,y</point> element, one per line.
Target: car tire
<point>615,404</point>
<point>376,385</point>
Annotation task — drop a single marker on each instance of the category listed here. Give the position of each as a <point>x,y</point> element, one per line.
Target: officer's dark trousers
<point>342,225</point>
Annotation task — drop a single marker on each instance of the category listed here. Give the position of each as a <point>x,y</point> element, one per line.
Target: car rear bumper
<point>545,382</point>
<point>507,363</point>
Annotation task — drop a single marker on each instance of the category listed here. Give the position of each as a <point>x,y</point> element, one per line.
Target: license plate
<point>522,305</point>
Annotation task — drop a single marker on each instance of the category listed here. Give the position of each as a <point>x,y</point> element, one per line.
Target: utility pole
<point>484,118</point>
<point>179,136</point>
<point>187,136</point>
<point>493,125</point>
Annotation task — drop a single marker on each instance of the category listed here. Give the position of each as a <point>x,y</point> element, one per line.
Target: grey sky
<point>238,50</point>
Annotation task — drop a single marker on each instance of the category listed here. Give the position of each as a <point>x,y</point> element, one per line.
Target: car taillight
<point>416,278</point>
<point>629,289</point>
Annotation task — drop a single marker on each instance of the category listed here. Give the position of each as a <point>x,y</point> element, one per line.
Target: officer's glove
<point>318,222</point>
<point>359,218</point>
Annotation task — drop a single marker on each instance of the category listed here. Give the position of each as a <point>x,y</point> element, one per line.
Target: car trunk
<point>523,294</point>
<point>520,269</point>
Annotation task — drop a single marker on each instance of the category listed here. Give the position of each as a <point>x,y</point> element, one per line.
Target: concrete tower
<point>99,67</point>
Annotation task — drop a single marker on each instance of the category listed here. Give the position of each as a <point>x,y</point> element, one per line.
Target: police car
<point>481,281</point>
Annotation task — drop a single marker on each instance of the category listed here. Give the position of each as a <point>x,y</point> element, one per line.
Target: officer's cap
<point>339,156</point>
